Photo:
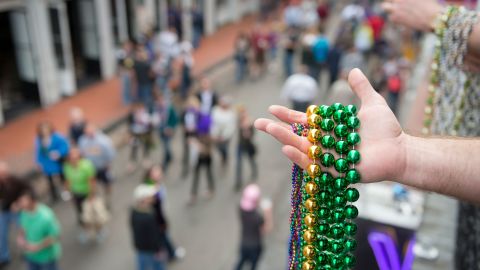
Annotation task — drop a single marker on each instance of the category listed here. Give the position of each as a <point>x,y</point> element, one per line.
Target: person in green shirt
<point>80,181</point>
<point>39,232</point>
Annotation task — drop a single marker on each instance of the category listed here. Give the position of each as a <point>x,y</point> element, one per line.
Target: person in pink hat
<point>255,224</point>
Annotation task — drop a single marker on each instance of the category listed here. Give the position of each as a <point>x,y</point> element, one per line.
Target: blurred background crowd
<point>160,162</point>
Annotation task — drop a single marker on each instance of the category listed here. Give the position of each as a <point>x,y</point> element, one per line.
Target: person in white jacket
<point>223,126</point>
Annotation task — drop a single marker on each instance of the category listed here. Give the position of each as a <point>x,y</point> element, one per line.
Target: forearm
<point>474,41</point>
<point>444,165</point>
<point>47,242</point>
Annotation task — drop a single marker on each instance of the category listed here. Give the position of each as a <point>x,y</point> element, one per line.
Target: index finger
<point>287,115</point>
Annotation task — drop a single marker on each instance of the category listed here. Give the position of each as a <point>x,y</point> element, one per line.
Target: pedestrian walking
<point>290,46</point>
<point>10,190</point>
<point>147,240</point>
<point>204,160</point>
<point>207,96</point>
<point>165,119</point>
<point>300,89</point>
<point>126,61</point>
<point>51,148</point>
<point>80,176</point>
<point>198,25</point>
<point>223,127</point>
<point>39,233</point>
<point>246,146</point>
<point>97,147</point>
<point>254,226</point>
<point>190,121</point>
<point>154,177</point>
<point>144,76</point>
<point>77,125</point>
<point>242,49</point>
<point>187,62</point>
<point>140,131</point>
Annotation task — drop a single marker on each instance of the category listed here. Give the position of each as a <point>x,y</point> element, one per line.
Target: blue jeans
<point>288,64</point>
<point>42,266</point>
<point>149,261</point>
<point>241,70</point>
<point>6,218</point>
<point>145,95</point>
<point>126,89</point>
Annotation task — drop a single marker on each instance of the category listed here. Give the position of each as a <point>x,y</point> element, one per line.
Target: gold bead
<point>311,188</point>
<point>314,135</point>
<point>309,252</point>
<point>428,110</point>
<point>425,131</point>
<point>314,152</point>
<point>310,220</point>
<point>308,265</point>
<point>311,204</point>
<point>313,170</point>
<point>313,120</point>
<point>431,88</point>
<point>311,110</point>
<point>309,236</point>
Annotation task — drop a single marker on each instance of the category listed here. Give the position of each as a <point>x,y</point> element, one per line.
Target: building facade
<point>49,49</point>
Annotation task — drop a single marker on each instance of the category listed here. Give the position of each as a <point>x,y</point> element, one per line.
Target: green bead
<point>340,184</point>
<point>351,211</point>
<point>327,124</point>
<point>336,246</point>
<point>349,260</point>
<point>336,231</point>
<point>339,200</point>
<point>353,122</point>
<point>352,138</point>
<point>350,109</point>
<point>337,106</point>
<point>323,196</point>
<point>336,261</point>
<point>327,141</point>
<point>350,244</point>
<point>323,212</point>
<point>341,130</point>
<point>341,165</point>
<point>340,116</point>
<point>352,194</point>
<point>325,111</point>
<point>338,215</point>
<point>353,156</point>
<point>322,258</point>
<point>323,228</point>
<point>327,159</point>
<point>323,244</point>
<point>350,228</point>
<point>352,176</point>
<point>325,179</point>
<point>341,147</point>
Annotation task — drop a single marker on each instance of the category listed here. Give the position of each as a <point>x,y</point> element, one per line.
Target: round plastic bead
<point>323,228</point>
<point>311,188</point>
<point>322,258</point>
<point>312,109</point>
<point>340,184</point>
<point>314,135</point>
<point>339,200</point>
<point>341,165</point>
<point>327,124</point>
<point>350,244</point>
<point>309,236</point>
<point>310,220</point>
<point>337,106</point>
<point>353,122</point>
<point>313,170</point>
<point>340,116</point>
<point>336,246</point>
<point>325,111</point>
<point>341,147</point>
<point>352,194</point>
<point>314,152</point>
<point>336,261</point>
<point>353,156</point>
<point>314,120</point>
<point>327,159</point>
<point>328,141</point>
<point>325,179</point>
<point>309,251</point>
<point>336,231</point>
<point>324,196</point>
<point>349,260</point>
<point>309,265</point>
<point>350,228</point>
<point>338,215</point>
<point>350,109</point>
<point>353,138</point>
<point>341,130</point>
<point>311,204</point>
<point>351,211</point>
<point>323,212</point>
<point>352,176</point>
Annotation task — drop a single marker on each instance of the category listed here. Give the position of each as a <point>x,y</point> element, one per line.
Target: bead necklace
<point>326,238</point>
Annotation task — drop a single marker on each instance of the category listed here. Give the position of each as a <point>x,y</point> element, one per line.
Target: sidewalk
<point>102,102</point>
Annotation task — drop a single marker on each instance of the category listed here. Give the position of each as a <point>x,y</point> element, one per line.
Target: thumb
<point>363,89</point>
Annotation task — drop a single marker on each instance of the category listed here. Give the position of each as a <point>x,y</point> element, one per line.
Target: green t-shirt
<point>78,177</point>
<point>39,225</point>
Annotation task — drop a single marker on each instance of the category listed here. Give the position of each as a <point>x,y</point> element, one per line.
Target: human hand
<point>31,248</point>
<point>383,141</point>
<point>54,155</point>
<point>418,15</point>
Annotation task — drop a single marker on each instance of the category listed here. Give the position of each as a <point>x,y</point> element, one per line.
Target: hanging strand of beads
<point>326,238</point>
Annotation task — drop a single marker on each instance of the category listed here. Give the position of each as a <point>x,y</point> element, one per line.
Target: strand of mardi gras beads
<point>327,234</point>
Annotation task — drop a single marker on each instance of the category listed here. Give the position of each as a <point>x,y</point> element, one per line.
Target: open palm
<point>382,146</point>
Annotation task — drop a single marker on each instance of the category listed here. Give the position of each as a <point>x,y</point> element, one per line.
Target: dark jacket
<point>145,232</point>
<point>10,190</point>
